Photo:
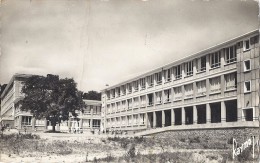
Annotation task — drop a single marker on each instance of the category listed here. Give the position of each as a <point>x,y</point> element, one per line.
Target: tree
<point>51,98</point>
<point>2,87</point>
<point>92,95</point>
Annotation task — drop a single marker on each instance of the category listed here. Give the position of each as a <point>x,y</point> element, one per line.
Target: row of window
<point>127,120</point>
<point>186,69</point>
<point>96,110</point>
<point>178,93</point>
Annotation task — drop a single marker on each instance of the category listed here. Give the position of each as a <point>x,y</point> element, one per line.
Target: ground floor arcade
<point>216,112</point>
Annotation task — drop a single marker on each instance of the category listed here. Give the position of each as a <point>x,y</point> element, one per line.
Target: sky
<point>99,42</point>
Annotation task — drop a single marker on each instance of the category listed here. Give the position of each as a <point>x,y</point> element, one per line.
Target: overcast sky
<point>108,41</point>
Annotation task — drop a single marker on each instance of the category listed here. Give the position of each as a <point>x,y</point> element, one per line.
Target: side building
<point>13,117</point>
<point>89,119</point>
<point>216,88</point>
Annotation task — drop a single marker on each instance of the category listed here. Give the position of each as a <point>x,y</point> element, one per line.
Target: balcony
<point>159,82</point>
<point>168,80</point>
<point>168,100</point>
<point>150,104</point>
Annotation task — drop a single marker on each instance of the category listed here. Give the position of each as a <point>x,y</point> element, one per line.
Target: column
<point>146,120</point>
<point>154,119</point>
<point>20,122</point>
<point>222,85</point>
<point>208,113</point>
<point>183,116</point>
<point>45,124</point>
<point>194,90</point>
<point>195,115</point>
<point>182,70</point>
<point>172,116</point>
<point>207,87</point>
<point>194,67</point>
<point>138,120</point>
<point>91,124</point>
<point>163,118</point>
<point>33,123</point>
<point>223,111</point>
<point>207,63</point>
<point>222,59</point>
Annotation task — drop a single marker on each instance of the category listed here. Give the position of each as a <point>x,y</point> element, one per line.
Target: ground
<point>65,147</point>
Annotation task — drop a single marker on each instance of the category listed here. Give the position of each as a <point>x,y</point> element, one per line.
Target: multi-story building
<point>89,119</point>
<point>215,88</point>
<point>13,117</point>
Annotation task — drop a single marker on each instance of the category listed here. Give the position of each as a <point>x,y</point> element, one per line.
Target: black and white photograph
<point>129,81</point>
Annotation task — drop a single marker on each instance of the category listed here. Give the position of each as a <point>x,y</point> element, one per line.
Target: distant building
<point>215,88</point>
<point>89,119</point>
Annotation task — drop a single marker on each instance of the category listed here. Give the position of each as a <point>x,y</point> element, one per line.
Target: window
<point>118,91</point>
<point>142,83</point>
<point>39,122</point>
<point>150,99</point>
<point>136,102</point>
<point>129,88</point>
<point>215,85</point>
<point>135,85</point>
<point>135,119</point>
<point>247,86</point>
<point>215,59</point>
<point>96,123</point>
<point>247,65</point>
<point>177,93</point>
<point>108,108</point>
<point>246,45</point>
<point>142,116</point>
<point>87,110</point>
<point>167,75</point>
<point>123,105</point>
<point>129,103</point>
<point>123,88</point>
<point>189,68</point>
<point>231,81</point>
<point>231,54</point>
<point>158,77</point>
<point>158,97</point>
<point>248,114</point>
<point>143,101</point>
<point>113,107</point>
<point>150,81</point>
<point>123,121</point>
<point>201,64</point>
<point>201,88</point>
<point>113,93</point>
<point>129,120</point>
<point>26,120</point>
<point>117,106</point>
<point>188,90</point>
<point>108,95</point>
<point>178,73</point>
<point>167,94</point>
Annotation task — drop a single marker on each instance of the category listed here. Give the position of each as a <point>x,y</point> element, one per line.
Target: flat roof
<point>14,77</point>
<point>184,58</point>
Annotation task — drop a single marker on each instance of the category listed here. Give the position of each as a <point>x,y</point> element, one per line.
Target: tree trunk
<point>53,128</point>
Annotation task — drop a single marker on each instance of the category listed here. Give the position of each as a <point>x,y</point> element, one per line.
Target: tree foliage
<point>2,87</point>
<point>51,98</point>
<point>92,95</point>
